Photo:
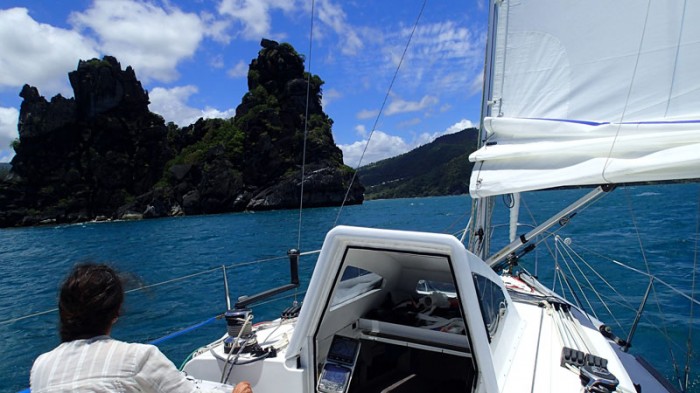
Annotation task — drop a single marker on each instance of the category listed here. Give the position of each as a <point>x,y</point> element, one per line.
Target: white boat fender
<point>435,300</point>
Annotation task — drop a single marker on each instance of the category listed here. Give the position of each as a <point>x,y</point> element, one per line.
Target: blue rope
<point>181,332</point>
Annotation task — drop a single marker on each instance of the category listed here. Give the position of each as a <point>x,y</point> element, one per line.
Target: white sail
<point>591,92</point>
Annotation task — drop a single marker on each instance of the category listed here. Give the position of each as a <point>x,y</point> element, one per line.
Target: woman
<point>88,359</point>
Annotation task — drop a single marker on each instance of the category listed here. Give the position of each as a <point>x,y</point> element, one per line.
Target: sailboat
<point>594,94</point>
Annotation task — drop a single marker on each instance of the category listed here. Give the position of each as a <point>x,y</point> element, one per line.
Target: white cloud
<point>329,96</point>
<point>333,16</point>
<point>399,105</point>
<point>409,122</point>
<point>444,55</point>
<point>426,137</point>
<point>254,15</point>
<point>361,130</point>
<point>240,70</point>
<point>477,83</point>
<point>459,126</point>
<point>216,28</point>
<point>367,114</point>
<point>380,147</point>
<point>8,132</point>
<point>172,105</point>
<point>39,54</point>
<point>217,61</point>
<point>151,39</point>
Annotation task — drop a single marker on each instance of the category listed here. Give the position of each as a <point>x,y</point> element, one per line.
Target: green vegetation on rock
<point>441,167</point>
<point>104,154</point>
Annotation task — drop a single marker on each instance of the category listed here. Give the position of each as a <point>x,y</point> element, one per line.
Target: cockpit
<point>394,323</point>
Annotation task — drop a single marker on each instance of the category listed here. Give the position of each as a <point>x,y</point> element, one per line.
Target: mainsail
<point>591,92</point>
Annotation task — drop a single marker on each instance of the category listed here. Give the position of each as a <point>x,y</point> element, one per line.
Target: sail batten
<point>605,92</point>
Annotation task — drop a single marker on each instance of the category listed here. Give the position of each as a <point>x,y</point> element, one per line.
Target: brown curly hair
<point>90,300</point>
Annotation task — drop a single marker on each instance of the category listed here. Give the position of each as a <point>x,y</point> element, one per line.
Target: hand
<point>242,387</point>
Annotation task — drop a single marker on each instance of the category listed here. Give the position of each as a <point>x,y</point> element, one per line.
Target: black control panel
<point>339,366</point>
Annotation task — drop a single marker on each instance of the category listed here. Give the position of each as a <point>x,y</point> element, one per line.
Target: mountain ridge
<point>440,167</point>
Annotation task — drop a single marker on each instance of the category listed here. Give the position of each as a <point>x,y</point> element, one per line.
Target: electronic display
<point>343,350</point>
<point>334,378</point>
<point>340,362</point>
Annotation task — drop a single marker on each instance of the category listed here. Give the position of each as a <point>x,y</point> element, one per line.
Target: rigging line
<point>9,321</point>
<point>275,299</point>
<point>36,314</point>
<point>532,217</point>
<point>585,277</point>
<point>306,126</point>
<point>465,231</point>
<point>651,323</point>
<point>188,276</point>
<point>488,232</point>
<point>279,325</point>
<point>577,255</point>
<point>449,228</point>
<point>537,350</point>
<point>173,280</point>
<point>469,230</point>
<point>675,60</point>
<point>574,325</point>
<point>381,110</point>
<point>689,344</point>
<point>575,295</point>
<point>629,93</point>
<point>656,279</point>
<point>563,221</point>
<point>257,261</point>
<point>563,280</point>
<point>556,269</point>
<point>622,304</point>
<point>143,287</point>
<point>653,287</point>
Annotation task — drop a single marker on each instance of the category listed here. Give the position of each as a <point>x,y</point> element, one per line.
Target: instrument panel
<point>340,364</point>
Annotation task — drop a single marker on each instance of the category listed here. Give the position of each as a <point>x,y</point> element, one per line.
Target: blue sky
<point>193,55</point>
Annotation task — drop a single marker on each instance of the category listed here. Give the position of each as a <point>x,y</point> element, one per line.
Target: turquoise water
<point>33,261</point>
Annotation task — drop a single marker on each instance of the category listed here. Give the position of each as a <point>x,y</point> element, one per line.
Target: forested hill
<point>441,167</point>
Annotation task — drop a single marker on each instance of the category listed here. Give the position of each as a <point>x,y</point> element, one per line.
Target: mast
<point>482,208</point>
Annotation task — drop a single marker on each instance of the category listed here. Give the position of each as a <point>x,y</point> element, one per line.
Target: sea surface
<point>178,261</point>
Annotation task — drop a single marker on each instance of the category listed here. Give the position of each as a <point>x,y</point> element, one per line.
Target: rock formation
<point>104,155</point>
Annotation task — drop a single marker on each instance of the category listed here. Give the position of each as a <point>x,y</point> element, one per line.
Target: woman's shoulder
<point>138,350</point>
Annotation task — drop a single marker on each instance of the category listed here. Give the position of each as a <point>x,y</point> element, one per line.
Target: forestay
<point>591,92</point>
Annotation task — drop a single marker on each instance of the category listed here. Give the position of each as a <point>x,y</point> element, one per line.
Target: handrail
<point>169,281</point>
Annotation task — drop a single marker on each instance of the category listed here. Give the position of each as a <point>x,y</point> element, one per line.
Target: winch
<point>239,324</point>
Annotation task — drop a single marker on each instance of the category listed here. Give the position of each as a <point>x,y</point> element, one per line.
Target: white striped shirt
<point>101,364</point>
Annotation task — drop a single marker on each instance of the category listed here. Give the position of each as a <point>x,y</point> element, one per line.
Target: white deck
<point>536,362</point>
<point>518,349</point>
